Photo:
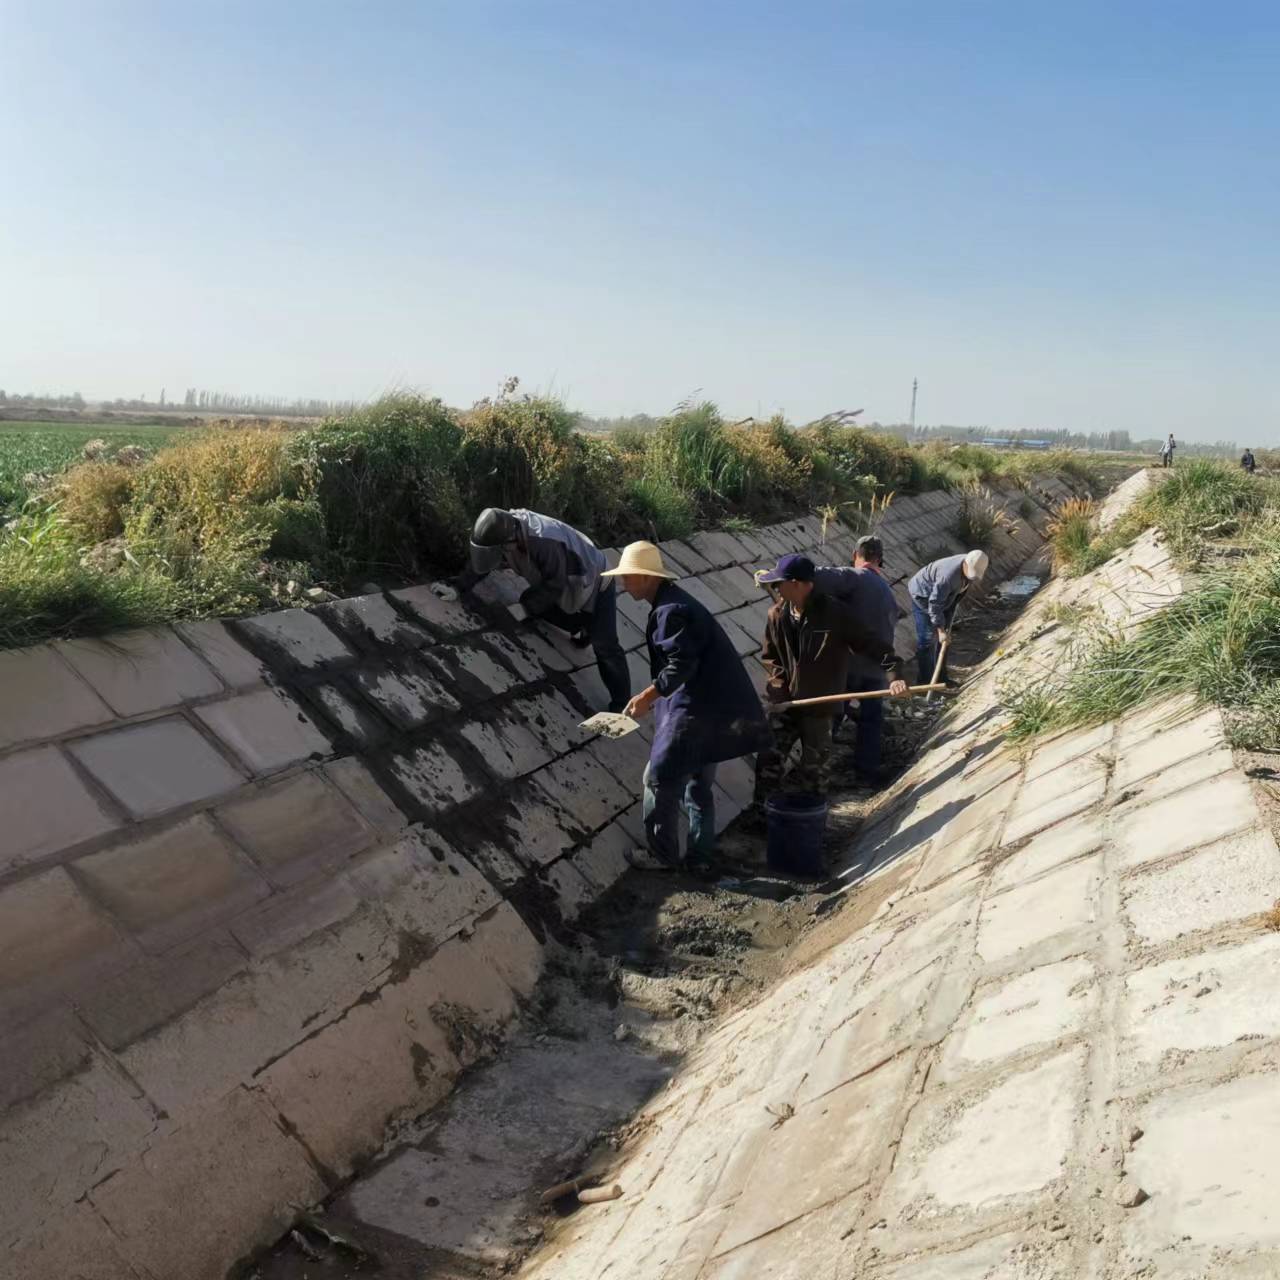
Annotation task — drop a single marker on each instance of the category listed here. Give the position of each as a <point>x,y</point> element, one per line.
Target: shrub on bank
<point>1219,641</point>
<point>238,516</point>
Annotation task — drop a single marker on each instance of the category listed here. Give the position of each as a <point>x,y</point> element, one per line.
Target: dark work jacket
<point>808,656</point>
<point>708,710</point>
<point>873,604</point>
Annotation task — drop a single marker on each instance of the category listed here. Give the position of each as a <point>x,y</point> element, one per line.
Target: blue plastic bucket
<point>797,822</point>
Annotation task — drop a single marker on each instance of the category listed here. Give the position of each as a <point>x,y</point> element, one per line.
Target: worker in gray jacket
<point>563,569</point>
<point>935,592</point>
<point>863,588</point>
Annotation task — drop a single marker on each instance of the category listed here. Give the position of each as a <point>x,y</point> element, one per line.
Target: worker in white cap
<point>936,590</point>
<point>705,711</point>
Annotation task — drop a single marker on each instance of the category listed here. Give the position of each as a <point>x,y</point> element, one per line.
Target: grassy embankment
<point>1220,641</point>
<point>235,518</point>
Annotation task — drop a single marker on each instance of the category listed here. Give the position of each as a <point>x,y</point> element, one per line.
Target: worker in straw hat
<point>936,591</point>
<point>564,570</point>
<point>705,711</point>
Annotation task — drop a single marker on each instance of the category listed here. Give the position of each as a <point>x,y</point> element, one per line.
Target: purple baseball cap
<point>795,568</point>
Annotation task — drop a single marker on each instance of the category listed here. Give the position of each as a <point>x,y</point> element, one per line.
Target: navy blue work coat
<point>708,710</point>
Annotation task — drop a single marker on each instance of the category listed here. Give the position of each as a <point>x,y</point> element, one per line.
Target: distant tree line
<point>194,399</point>
<point>1117,441</point>
<point>20,400</point>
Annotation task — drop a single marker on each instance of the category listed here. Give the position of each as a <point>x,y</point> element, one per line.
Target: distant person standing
<point>1248,462</point>
<point>1166,451</point>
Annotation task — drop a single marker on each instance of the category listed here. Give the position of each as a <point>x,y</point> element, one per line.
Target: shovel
<point>775,707</point>
<point>610,724</point>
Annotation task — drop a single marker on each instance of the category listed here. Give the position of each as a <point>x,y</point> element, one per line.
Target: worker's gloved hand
<point>899,688</point>
<point>942,635</point>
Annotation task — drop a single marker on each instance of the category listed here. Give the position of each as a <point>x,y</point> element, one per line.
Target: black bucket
<point>797,822</point>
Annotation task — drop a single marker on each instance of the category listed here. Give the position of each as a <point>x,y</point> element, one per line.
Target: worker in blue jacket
<point>864,589</point>
<point>936,590</point>
<point>705,711</point>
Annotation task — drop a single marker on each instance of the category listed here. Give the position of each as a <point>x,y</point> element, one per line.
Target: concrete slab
<point>266,729</point>
<point>171,885</point>
<point>45,807</point>
<point>236,667</point>
<point>1157,718</point>
<point>1209,1161</point>
<point>1074,776</point>
<point>1059,903</point>
<point>139,671</point>
<point>47,927</point>
<point>1175,779</point>
<point>1024,1013</point>
<point>585,790</point>
<point>1197,816</point>
<point>1004,1146</point>
<point>355,782</point>
<point>434,778</point>
<point>296,827</point>
<point>877,1032</point>
<point>1062,843</point>
<point>408,697</point>
<point>43,698</point>
<point>1070,746</point>
<point>1014,1255</point>
<point>1085,795</point>
<point>827,1150</point>
<point>58,1145</point>
<point>154,767</point>
<point>509,748</point>
<point>373,619</point>
<point>445,617</point>
<point>298,637</point>
<point>1231,880</point>
<point>424,886</point>
<point>1206,1001</point>
<point>819,1244</point>
<point>1193,737</point>
<point>237,1163</point>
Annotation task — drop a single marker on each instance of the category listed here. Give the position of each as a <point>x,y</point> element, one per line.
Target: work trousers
<point>869,717</point>
<point>813,772</point>
<point>1166,459</point>
<point>601,626</point>
<point>926,646</point>
<point>663,800</point>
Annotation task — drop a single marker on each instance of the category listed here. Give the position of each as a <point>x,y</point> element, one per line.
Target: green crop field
<point>33,447</point>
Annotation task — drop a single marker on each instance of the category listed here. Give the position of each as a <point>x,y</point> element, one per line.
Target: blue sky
<point>1053,215</point>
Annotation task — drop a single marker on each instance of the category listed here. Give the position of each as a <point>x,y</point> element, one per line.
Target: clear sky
<point>1053,214</point>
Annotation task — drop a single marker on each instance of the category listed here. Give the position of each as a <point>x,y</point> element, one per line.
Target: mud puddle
<point>633,986</point>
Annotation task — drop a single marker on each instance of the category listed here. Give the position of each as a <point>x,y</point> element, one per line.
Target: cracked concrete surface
<point>1067,996</point>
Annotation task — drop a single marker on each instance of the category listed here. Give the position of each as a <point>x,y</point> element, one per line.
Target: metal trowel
<point>610,724</point>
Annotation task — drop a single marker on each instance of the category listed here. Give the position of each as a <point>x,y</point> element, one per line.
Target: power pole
<point>915,383</point>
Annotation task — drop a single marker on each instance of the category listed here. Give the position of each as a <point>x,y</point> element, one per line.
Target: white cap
<point>975,565</point>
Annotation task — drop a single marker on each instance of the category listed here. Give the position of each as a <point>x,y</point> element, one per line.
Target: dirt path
<point>646,973</point>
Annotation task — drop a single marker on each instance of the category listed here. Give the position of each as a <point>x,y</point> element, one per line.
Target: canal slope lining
<point>270,885</point>
<point>1045,1048</point>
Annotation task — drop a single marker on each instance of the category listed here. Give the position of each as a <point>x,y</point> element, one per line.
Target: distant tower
<point>915,383</point>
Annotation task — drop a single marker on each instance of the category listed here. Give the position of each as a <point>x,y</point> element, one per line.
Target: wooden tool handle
<point>847,697</point>
<point>597,1195</point>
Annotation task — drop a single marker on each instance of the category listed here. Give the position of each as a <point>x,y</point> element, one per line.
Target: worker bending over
<point>864,590</point>
<point>936,590</point>
<point>564,570</point>
<point>705,711</point>
<point>807,640</point>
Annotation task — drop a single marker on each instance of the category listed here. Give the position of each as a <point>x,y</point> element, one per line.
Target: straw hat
<point>640,558</point>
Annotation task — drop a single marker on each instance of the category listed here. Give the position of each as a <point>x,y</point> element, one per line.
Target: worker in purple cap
<point>807,643</point>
